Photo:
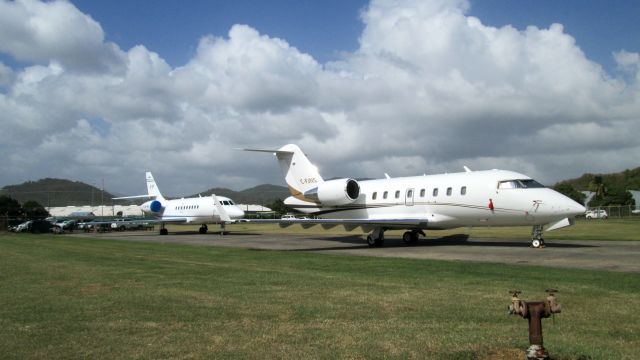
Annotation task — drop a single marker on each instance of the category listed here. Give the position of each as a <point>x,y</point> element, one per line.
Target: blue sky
<point>327,28</point>
<point>93,90</point>
<point>173,28</point>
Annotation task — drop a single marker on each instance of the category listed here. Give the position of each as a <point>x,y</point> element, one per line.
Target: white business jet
<point>418,203</point>
<point>195,210</point>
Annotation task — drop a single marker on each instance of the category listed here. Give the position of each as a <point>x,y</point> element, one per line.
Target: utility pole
<point>102,200</point>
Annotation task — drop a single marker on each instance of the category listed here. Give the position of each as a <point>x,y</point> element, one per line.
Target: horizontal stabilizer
<point>275,152</point>
<point>133,197</point>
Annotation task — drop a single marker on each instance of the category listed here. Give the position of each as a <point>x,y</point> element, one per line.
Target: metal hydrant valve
<point>535,311</point>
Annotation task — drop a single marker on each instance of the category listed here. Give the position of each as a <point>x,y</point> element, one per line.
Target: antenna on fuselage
<point>466,168</point>
<point>387,176</point>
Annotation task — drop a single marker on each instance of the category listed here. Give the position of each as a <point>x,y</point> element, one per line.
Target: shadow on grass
<point>171,233</point>
<point>357,242</point>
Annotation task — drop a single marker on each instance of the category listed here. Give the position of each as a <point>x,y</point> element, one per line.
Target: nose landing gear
<point>537,241</point>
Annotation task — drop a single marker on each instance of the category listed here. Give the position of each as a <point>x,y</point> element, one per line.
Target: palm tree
<point>597,186</point>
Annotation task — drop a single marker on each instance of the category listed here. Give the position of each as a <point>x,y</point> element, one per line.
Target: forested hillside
<point>261,194</point>
<point>56,192</point>
<point>60,192</point>
<point>610,189</point>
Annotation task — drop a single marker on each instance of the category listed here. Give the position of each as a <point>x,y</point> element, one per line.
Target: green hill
<point>61,192</point>
<point>56,192</point>
<point>261,194</point>
<point>626,180</point>
<point>610,189</point>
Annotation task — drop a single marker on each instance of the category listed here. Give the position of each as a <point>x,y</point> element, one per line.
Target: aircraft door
<point>408,198</point>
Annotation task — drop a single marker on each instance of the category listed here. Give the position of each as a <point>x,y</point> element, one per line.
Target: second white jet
<point>201,210</point>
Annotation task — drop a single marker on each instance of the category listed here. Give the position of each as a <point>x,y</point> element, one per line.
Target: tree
<point>597,186</point>
<point>33,210</point>
<point>279,207</point>
<point>10,207</point>
<point>614,196</point>
<point>569,191</point>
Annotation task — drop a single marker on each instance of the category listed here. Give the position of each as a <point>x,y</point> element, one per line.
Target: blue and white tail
<point>152,188</point>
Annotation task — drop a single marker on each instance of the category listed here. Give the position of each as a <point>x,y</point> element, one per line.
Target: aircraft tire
<point>410,237</point>
<point>536,243</point>
<point>202,230</point>
<point>375,242</point>
<point>164,231</point>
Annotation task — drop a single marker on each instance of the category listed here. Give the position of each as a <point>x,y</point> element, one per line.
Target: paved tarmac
<point>600,255</point>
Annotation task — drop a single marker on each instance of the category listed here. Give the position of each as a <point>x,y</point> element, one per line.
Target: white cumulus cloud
<point>429,89</point>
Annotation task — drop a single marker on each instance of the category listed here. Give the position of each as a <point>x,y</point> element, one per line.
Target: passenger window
<point>384,195</point>
<point>449,190</point>
<point>410,193</point>
<point>422,191</point>
<point>397,194</point>
<point>374,196</point>
<point>435,192</point>
<point>463,190</point>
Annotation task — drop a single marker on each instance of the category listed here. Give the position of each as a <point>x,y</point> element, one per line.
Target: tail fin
<point>152,188</point>
<point>299,173</point>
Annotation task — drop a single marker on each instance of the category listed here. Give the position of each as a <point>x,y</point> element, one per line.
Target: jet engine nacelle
<point>335,192</point>
<point>153,206</point>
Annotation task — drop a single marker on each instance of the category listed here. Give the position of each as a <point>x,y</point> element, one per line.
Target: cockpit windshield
<point>519,184</point>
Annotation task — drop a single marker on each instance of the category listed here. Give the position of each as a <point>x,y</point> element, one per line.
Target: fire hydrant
<point>535,311</point>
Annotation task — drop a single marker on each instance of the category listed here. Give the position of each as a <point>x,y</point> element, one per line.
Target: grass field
<point>63,297</point>
<point>611,229</point>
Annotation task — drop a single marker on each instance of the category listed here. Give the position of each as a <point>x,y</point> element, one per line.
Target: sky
<point>93,90</point>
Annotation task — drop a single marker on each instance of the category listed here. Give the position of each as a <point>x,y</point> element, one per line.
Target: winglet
<point>224,216</point>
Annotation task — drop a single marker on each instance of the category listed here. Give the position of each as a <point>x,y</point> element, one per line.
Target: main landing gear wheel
<point>203,229</point>
<point>410,237</point>
<point>164,231</point>
<point>374,242</point>
<point>376,238</point>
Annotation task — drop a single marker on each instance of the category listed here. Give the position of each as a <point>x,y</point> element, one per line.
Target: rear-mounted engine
<point>153,206</point>
<point>335,192</point>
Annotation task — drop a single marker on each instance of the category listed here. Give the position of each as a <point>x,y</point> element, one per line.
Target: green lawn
<point>63,297</point>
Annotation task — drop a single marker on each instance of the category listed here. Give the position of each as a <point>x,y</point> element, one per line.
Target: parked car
<point>86,225</point>
<point>126,224</point>
<point>33,226</point>
<point>596,214</point>
<point>23,227</point>
<point>64,225</point>
<point>288,217</point>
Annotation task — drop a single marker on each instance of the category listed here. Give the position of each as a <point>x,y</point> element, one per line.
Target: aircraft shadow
<point>358,242</point>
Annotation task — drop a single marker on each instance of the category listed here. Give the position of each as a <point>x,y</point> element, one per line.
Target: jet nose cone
<point>237,213</point>
<point>573,208</point>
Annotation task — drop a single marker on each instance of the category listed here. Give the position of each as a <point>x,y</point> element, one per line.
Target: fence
<point>619,211</point>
